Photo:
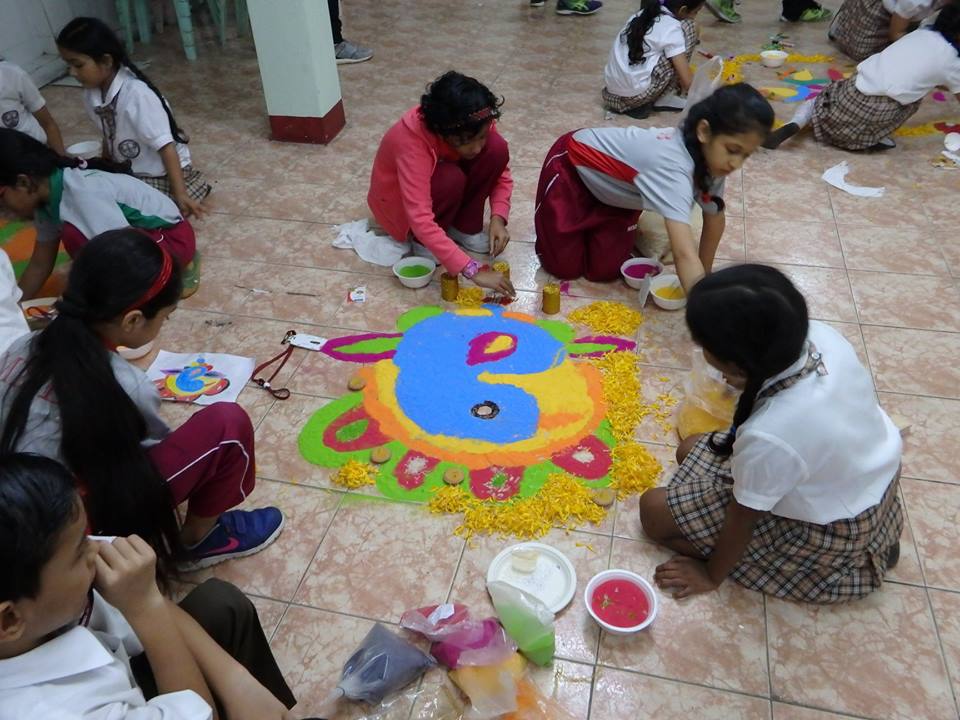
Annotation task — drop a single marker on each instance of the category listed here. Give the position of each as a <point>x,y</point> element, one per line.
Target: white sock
<point>804,113</point>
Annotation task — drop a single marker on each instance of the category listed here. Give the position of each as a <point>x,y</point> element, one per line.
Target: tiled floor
<point>884,271</point>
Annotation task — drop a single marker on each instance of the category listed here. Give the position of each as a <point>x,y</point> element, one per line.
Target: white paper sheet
<point>200,378</point>
<point>370,246</point>
<point>837,175</point>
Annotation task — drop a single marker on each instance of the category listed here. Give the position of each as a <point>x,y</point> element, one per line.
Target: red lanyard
<point>282,357</point>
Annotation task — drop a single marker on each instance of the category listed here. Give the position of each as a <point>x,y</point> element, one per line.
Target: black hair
<point>37,502</point>
<point>102,429</point>
<point>948,24</point>
<point>458,106</point>
<point>90,36</point>
<point>635,32</point>
<point>753,317</point>
<point>21,154</point>
<point>729,110</point>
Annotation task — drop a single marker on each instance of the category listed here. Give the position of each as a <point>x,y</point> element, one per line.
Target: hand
<point>188,206</point>
<point>684,576</point>
<point>247,699</point>
<point>127,576</point>
<point>499,235</point>
<point>495,281</point>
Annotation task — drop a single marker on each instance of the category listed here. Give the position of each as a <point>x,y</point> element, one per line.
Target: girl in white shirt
<point>23,108</point>
<point>137,123</point>
<point>864,27</point>
<point>861,112</point>
<point>649,63</point>
<point>799,499</point>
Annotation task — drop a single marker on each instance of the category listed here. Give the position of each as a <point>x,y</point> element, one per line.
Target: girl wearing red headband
<point>66,394</point>
<point>72,201</point>
<point>434,172</point>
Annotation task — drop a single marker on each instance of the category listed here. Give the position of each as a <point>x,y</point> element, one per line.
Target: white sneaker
<point>478,243</point>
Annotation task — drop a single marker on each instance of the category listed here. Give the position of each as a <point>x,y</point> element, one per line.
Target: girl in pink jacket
<point>434,171</point>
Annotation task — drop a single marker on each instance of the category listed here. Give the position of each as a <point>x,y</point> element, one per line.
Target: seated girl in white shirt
<point>23,108</point>
<point>799,499</point>
<point>137,123</point>
<point>862,28</point>
<point>649,63</point>
<point>861,112</point>
<point>86,633</point>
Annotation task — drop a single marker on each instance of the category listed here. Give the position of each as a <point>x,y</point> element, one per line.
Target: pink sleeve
<point>500,196</point>
<point>414,167</point>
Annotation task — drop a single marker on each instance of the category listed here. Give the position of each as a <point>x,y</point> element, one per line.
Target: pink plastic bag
<point>435,622</point>
<point>476,642</point>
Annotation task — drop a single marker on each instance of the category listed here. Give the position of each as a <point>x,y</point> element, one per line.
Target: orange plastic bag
<point>709,403</point>
<point>534,705</point>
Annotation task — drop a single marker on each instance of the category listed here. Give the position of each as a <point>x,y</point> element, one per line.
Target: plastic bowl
<point>662,281</point>
<point>420,280</point>
<point>134,353</point>
<point>652,267</point>
<point>773,58</point>
<point>88,149</point>
<point>621,575</point>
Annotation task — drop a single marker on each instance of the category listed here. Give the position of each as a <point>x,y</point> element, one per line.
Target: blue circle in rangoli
<point>437,389</point>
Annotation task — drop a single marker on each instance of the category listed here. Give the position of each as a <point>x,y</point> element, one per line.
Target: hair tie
<point>159,283</point>
<point>81,163</point>
<point>485,113</point>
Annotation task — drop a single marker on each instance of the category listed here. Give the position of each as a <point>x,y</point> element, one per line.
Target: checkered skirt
<point>861,28</point>
<point>840,561</point>
<point>845,117</point>
<point>197,186</point>
<point>663,79</point>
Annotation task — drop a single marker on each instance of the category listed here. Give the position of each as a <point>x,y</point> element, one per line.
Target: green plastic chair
<point>141,13</point>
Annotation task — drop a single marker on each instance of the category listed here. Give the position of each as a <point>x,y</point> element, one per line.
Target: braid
<point>635,32</point>
<point>744,409</point>
<point>178,134</point>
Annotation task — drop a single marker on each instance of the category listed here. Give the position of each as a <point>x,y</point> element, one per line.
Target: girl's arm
<point>685,256</point>
<point>899,26</point>
<point>687,576</point>
<point>682,68</point>
<point>41,264</point>
<point>171,163</point>
<point>50,127</point>
<point>713,226</point>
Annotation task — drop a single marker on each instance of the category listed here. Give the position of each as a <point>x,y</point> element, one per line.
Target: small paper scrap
<point>357,295</point>
<point>837,176</point>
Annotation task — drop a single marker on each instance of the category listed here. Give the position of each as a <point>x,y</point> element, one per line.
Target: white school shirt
<point>821,450</point>
<point>910,68</point>
<point>95,201</point>
<point>84,674</point>
<point>12,322</point>
<point>914,10</point>
<point>664,39</point>
<point>19,100</point>
<point>142,124</point>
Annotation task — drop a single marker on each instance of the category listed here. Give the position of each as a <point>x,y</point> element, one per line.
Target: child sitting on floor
<point>72,202</point>
<point>595,183</point>
<point>65,393</point>
<point>861,112</point>
<point>135,119</point>
<point>23,108</point>
<point>434,171</point>
<point>649,63</point>
<point>12,322</point>
<point>799,498</point>
<point>862,28</point>
<point>85,631</point>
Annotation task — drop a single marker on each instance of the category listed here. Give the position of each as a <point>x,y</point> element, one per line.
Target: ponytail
<point>635,32</point>
<point>730,110</point>
<point>90,36</point>
<point>21,154</point>
<point>102,428</point>
<point>753,317</point>
<point>948,24</point>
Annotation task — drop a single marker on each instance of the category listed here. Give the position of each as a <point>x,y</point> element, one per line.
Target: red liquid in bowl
<point>620,603</point>
<point>640,270</point>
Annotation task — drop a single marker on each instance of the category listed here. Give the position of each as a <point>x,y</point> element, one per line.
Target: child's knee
<point>686,445</point>
<point>231,417</point>
<point>653,505</point>
<point>498,149</point>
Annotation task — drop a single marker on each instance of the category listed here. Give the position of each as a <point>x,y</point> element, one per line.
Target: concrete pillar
<point>299,69</point>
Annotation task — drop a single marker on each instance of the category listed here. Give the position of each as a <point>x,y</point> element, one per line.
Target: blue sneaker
<point>578,7</point>
<point>238,533</point>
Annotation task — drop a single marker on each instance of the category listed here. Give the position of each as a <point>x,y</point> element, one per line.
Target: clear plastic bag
<point>476,642</point>
<point>707,78</point>
<point>709,403</point>
<point>526,619</point>
<point>492,689</point>
<point>534,705</point>
<point>435,622</point>
<point>383,664</point>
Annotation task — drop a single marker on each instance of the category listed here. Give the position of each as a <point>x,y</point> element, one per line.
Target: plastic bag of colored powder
<point>526,619</point>
<point>709,403</point>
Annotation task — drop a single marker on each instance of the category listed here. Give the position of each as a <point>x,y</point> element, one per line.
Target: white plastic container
<point>88,149</point>
<point>665,281</point>
<point>656,267</point>
<point>773,58</point>
<point>414,282</point>
<point>617,574</point>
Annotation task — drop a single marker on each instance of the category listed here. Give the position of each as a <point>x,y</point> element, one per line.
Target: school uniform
<point>97,669</point>
<point>84,203</point>
<point>420,188</point>
<point>12,322</point>
<point>629,86</point>
<point>822,459</point>
<point>135,127</point>
<point>861,28</point>
<point>207,462</point>
<point>886,90</point>
<point>19,100</point>
<point>593,186</point>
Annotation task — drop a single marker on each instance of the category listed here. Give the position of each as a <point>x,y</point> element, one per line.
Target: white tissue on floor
<point>370,246</point>
<point>837,175</point>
